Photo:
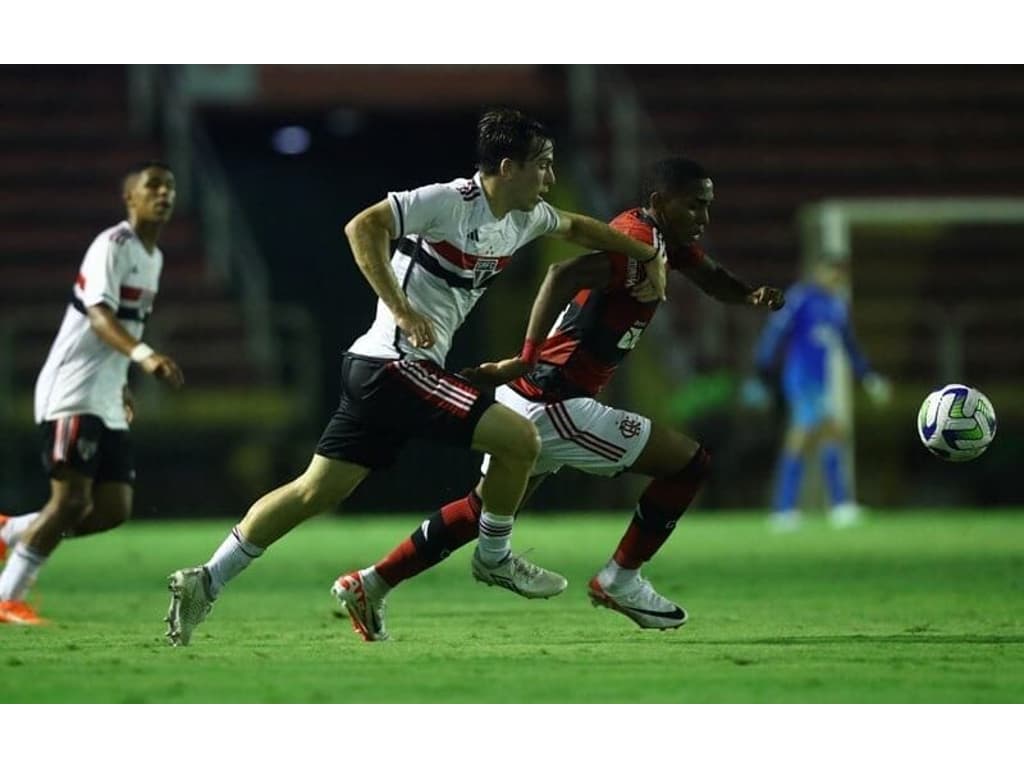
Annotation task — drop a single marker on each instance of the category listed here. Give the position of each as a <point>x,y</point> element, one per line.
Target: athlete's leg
<point>325,484</point>
<point>513,444</point>
<point>677,466</point>
<point>70,500</point>
<point>450,528</point>
<point>843,509</point>
<point>111,507</point>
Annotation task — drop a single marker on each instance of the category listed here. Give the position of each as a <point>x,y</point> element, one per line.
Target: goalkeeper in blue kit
<point>795,349</point>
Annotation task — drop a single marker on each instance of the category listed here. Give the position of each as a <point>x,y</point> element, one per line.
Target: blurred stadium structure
<point>260,294</point>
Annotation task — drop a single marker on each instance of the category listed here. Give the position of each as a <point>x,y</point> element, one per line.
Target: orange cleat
<point>18,612</point>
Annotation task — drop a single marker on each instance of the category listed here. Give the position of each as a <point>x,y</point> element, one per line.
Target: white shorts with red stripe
<point>580,433</point>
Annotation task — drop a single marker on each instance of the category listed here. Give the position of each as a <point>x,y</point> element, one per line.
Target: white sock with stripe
<point>20,573</point>
<point>231,558</point>
<point>11,531</point>
<point>495,542</point>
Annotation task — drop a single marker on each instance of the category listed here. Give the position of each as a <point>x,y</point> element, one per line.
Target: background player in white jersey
<point>453,239</point>
<point>80,398</point>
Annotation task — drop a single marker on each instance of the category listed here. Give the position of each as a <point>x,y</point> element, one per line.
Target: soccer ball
<point>956,422</point>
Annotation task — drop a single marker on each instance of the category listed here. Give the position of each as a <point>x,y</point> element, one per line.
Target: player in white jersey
<point>82,402</point>
<point>453,239</point>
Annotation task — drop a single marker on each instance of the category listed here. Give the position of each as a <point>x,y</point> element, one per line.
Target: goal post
<point>826,232</point>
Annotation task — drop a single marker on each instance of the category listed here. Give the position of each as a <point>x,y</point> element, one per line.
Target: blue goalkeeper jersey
<point>813,325</point>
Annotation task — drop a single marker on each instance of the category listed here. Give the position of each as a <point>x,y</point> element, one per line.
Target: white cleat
<point>190,603</point>
<point>786,521</point>
<point>846,515</point>
<point>519,575</point>
<point>367,613</point>
<point>639,602</point>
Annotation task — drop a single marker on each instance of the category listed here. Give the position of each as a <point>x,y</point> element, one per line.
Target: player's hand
<point>419,328</point>
<point>493,375</point>
<point>766,296</point>
<point>652,287</point>
<point>164,368</point>
<point>128,399</point>
<point>878,388</point>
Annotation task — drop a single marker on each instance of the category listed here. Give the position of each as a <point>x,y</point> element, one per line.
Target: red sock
<point>447,530</point>
<point>661,505</point>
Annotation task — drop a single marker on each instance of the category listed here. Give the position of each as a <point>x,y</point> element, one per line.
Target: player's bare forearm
<point>369,236</point>
<point>719,283</point>
<point>596,235</point>
<point>563,281</point>
<point>105,324</point>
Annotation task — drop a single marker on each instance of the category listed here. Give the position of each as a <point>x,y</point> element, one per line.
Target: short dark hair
<point>139,167</point>
<point>671,176</point>
<point>504,132</point>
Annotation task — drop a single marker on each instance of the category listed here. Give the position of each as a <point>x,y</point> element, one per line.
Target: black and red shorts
<point>85,444</point>
<point>385,403</point>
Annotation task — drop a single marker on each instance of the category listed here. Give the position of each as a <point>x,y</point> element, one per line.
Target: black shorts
<point>85,444</point>
<point>385,403</point>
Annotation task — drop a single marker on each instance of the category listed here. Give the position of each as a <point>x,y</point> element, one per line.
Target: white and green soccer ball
<point>956,422</point>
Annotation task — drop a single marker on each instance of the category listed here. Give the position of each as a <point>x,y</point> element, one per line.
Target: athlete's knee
<point>520,443</point>
<point>71,508</point>
<point>316,494</point>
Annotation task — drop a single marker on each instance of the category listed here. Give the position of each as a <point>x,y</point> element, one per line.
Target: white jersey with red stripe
<point>450,247</point>
<point>82,373</point>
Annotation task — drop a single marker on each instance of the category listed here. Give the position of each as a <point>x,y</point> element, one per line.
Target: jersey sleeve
<point>858,361</point>
<point>103,270</point>
<point>543,220</point>
<point>637,230</point>
<point>420,211</point>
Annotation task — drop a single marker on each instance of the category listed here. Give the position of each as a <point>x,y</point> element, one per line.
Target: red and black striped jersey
<point>599,327</point>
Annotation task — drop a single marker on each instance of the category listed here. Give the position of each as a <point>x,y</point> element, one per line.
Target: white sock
<point>614,577</point>
<point>20,573</point>
<point>231,558</point>
<point>495,542</point>
<point>11,531</point>
<point>374,585</point>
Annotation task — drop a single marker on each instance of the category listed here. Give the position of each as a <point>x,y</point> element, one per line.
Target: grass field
<point>908,608</point>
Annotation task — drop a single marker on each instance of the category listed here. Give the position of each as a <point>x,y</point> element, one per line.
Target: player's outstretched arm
<point>596,235</point>
<point>105,324</point>
<point>718,282</point>
<point>562,281</point>
<point>369,234</point>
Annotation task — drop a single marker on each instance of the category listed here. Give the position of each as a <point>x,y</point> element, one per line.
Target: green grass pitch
<point>922,607</point>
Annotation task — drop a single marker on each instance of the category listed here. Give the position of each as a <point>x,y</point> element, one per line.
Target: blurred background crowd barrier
<point>913,172</point>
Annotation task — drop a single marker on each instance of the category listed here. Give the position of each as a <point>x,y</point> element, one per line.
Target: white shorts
<point>580,433</point>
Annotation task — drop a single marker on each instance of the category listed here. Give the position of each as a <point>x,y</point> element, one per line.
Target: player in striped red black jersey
<point>453,239</point>
<point>82,403</point>
<point>554,381</point>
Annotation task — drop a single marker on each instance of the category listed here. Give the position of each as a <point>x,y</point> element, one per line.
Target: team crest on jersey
<point>630,427</point>
<point>86,448</point>
<point>632,337</point>
<point>484,270</point>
